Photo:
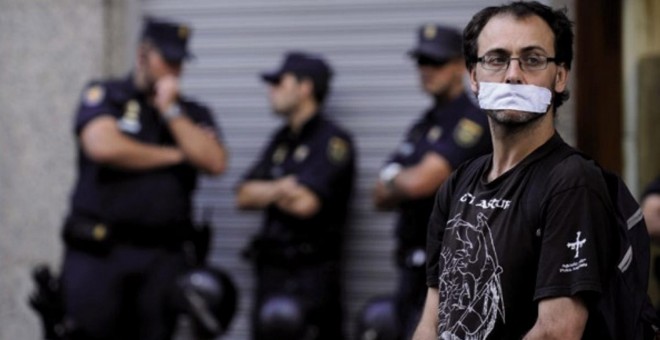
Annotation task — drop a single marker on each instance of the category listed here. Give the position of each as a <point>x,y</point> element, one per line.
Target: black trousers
<point>410,297</point>
<point>123,294</point>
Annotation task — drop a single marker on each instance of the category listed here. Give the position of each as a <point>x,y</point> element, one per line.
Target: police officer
<point>302,182</point>
<point>450,132</point>
<point>141,145</point>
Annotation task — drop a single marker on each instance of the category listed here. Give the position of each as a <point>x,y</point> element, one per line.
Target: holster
<point>267,251</point>
<point>88,235</point>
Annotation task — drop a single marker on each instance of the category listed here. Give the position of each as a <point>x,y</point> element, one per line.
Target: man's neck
<point>455,91</point>
<point>511,146</point>
<point>305,111</point>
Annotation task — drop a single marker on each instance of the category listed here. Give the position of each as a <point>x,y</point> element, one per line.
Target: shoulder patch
<point>337,150</point>
<point>467,132</point>
<point>94,95</point>
<point>279,154</point>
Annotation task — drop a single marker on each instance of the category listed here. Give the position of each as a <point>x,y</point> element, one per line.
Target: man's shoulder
<point>331,129</point>
<point>105,91</point>
<point>194,106</point>
<point>575,171</point>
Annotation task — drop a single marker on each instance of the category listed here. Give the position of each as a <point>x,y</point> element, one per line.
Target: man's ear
<point>307,86</point>
<point>474,84</point>
<point>561,79</point>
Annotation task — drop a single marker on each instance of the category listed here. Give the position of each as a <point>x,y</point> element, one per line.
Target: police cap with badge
<point>437,44</point>
<point>170,38</point>
<point>305,65</point>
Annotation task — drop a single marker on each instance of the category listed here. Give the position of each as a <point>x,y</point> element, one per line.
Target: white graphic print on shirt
<point>470,285</point>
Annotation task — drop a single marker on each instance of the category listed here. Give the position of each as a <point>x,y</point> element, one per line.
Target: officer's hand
<point>287,185</point>
<point>167,92</point>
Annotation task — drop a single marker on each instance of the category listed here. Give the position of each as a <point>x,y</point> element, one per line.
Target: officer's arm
<point>200,147</point>
<point>427,329</point>
<point>559,318</point>
<point>297,199</point>
<point>286,193</point>
<point>651,209</point>
<point>257,194</point>
<point>102,142</point>
<point>421,180</point>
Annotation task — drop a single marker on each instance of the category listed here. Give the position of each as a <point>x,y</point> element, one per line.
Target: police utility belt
<point>269,251</point>
<point>98,237</point>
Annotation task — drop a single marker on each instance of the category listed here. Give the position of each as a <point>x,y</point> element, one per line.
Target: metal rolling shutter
<point>375,95</point>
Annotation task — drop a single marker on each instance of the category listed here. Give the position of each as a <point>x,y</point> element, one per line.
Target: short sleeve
<point>95,101</point>
<point>577,239</point>
<point>468,139</point>
<point>203,116</point>
<point>327,165</point>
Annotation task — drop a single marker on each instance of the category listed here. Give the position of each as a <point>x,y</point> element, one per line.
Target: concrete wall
<point>48,51</point>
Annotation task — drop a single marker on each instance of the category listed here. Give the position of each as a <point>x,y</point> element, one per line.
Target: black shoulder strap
<point>538,182</point>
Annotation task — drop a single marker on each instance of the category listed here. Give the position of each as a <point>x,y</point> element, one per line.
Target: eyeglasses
<point>531,62</point>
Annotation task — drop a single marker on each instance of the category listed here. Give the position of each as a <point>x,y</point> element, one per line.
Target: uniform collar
<point>457,104</point>
<point>308,128</point>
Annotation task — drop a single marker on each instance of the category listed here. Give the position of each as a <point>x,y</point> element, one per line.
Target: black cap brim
<point>271,78</point>
<point>431,52</point>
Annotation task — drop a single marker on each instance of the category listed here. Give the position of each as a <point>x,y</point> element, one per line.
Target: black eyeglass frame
<point>482,61</point>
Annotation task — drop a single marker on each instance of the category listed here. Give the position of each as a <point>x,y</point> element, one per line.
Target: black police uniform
<point>457,131</point>
<point>299,257</point>
<point>126,229</point>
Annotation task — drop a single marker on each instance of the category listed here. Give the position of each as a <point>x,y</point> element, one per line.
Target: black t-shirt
<point>457,131</point>
<point>493,253</point>
<point>322,158</point>
<point>151,198</point>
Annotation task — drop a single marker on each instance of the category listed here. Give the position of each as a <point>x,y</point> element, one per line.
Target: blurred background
<point>50,48</point>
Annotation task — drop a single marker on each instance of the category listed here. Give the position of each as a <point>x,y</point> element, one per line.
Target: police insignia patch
<point>94,95</point>
<point>301,153</point>
<point>430,32</point>
<point>337,150</point>
<point>183,32</point>
<point>279,154</point>
<point>130,122</point>
<point>434,134</point>
<point>467,133</point>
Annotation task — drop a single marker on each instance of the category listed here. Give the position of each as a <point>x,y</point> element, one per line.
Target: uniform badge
<point>183,32</point>
<point>130,121</point>
<point>434,134</point>
<point>430,32</point>
<point>301,153</point>
<point>279,154</point>
<point>94,95</point>
<point>99,232</point>
<point>337,149</point>
<point>467,133</point>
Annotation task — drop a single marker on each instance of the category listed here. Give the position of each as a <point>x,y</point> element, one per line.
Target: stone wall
<point>48,51</point>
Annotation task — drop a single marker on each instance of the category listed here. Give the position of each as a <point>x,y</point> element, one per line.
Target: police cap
<point>170,38</point>
<point>436,42</point>
<point>302,65</point>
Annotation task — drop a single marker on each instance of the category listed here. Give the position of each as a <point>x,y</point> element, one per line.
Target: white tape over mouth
<point>501,96</point>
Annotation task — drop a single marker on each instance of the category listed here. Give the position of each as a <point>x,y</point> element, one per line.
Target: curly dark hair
<point>559,23</point>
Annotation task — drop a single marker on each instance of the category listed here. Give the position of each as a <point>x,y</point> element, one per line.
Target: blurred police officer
<point>141,146</point>
<point>302,181</point>
<point>450,132</point>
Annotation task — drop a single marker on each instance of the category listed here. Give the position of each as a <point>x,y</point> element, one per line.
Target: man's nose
<point>514,73</point>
